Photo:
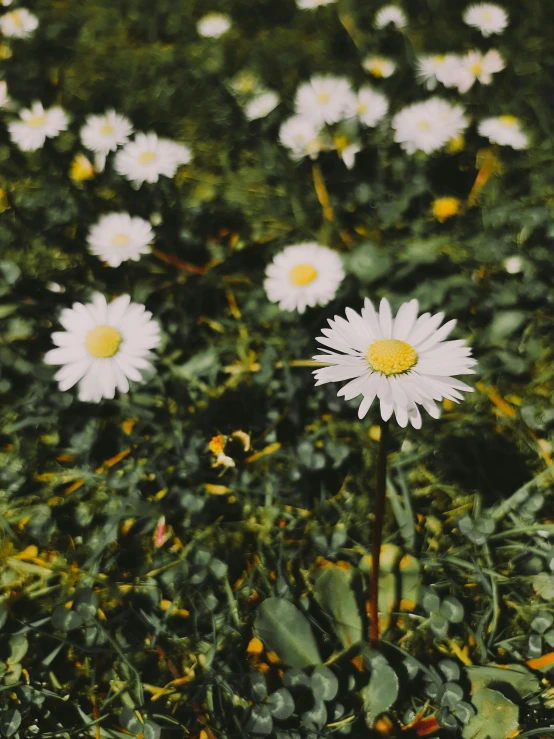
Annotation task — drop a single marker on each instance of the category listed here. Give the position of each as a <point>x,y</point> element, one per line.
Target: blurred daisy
<point>103,346</point>
<point>403,361</point>
<point>261,105</point>
<point>504,130</point>
<point>486,17</point>
<point>309,4</point>
<point>104,133</point>
<point>303,275</point>
<point>324,99</point>
<point>4,97</point>
<point>301,136</point>
<point>379,66</point>
<point>477,66</point>
<point>347,150</point>
<point>428,126</point>
<point>213,25</point>
<point>36,125</point>
<point>513,265</point>
<point>118,237</point>
<point>18,23</point>
<point>147,157</point>
<point>390,14</point>
<point>429,69</point>
<point>369,106</point>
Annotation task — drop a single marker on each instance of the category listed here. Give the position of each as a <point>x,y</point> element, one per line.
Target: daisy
<point>261,105</point>
<point>213,25</point>
<point>348,154</point>
<point>429,69</point>
<point>390,14</point>
<point>36,125</point>
<point>486,17</point>
<point>428,126</point>
<point>148,157</point>
<point>324,99</point>
<point>309,4</point>
<point>403,361</point>
<point>369,106</point>
<point>4,97</point>
<point>18,23</point>
<point>477,66</point>
<point>104,133</point>
<point>103,346</point>
<point>301,136</point>
<point>118,237</point>
<point>504,130</point>
<point>303,275</point>
<point>379,66</point>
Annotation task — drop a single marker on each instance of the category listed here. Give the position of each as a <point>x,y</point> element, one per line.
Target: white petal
<point>386,410</point>
<point>401,415</point>
<point>369,315</point>
<point>405,320</point>
<point>437,337</point>
<point>414,416</point>
<point>385,318</point>
<point>425,325</point>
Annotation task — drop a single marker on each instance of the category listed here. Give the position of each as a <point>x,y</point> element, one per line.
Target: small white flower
<point>348,154</point>
<point>390,14</point>
<point>36,125</point>
<point>476,66</point>
<point>429,68</point>
<point>309,4</point>
<point>213,25</point>
<point>379,66</point>
<point>261,105</point>
<point>303,275</point>
<point>452,73</point>
<point>369,106</point>
<point>18,23</point>
<point>486,17</point>
<point>324,99</point>
<point>104,133</point>
<point>504,130</point>
<point>513,265</point>
<point>147,157</point>
<point>103,346</point>
<point>428,126</point>
<point>118,237</point>
<point>403,361</point>
<point>301,136</point>
<point>4,97</point>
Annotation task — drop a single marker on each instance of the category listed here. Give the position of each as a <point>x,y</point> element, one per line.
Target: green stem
<point>378,533</point>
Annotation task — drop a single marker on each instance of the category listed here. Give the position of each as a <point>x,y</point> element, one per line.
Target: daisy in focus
<point>148,157</point>
<point>379,66</point>
<point>104,133</point>
<point>18,23</point>
<point>310,4</point>
<point>303,275</point>
<point>118,237</point>
<point>428,126</point>
<point>504,130</point>
<point>103,346</point>
<point>486,17</point>
<point>369,106</point>
<point>36,125</point>
<point>405,361</point>
<point>261,105</point>
<point>301,136</point>
<point>477,66</point>
<point>324,99</point>
<point>213,25</point>
<point>390,14</point>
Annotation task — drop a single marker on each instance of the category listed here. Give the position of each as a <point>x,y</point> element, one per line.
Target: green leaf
<point>128,720</point>
<point>543,585</point>
<point>496,717</point>
<point>464,711</point>
<point>10,721</point>
<point>325,684</point>
<point>451,694</point>
<point>285,630</point>
<point>18,648</point>
<point>258,686</point>
<point>542,622</point>
<point>151,730</point>
<point>505,323</point>
<point>260,720</point>
<point>380,693</point>
<point>336,598</point>
<point>452,609</point>
<point>64,620</point>
<point>281,704</point>
<point>518,676</point>
<point>316,717</point>
<point>368,263</point>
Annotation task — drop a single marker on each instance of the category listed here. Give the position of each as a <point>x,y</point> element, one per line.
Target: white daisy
<point>309,4</point>
<point>213,25</point>
<point>301,136</point>
<point>324,99</point>
<point>486,17</point>
<point>261,105</point>
<point>477,66</point>
<point>18,23</point>
<point>429,68</point>
<point>379,66</point>
<point>36,125</point>
<point>104,133</point>
<point>103,346</point>
<point>428,126</point>
<point>390,14</point>
<point>303,275</point>
<point>4,97</point>
<point>369,106</point>
<point>403,361</point>
<point>348,154</point>
<point>147,157</point>
<point>504,130</point>
<point>118,237</point>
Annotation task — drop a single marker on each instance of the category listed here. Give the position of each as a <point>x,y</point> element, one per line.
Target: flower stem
<point>378,533</point>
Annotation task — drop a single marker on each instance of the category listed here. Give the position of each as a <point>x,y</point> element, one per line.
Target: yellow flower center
<point>107,129</point>
<point>424,125</point>
<point>146,157</point>
<point>37,121</point>
<point>376,70</point>
<point>16,18</point>
<point>120,240</point>
<point>476,69</point>
<point>103,341</point>
<point>302,274</point>
<point>509,120</point>
<point>444,208</point>
<point>361,108</point>
<point>456,144</point>
<point>486,16</point>
<point>391,356</point>
<point>323,97</point>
